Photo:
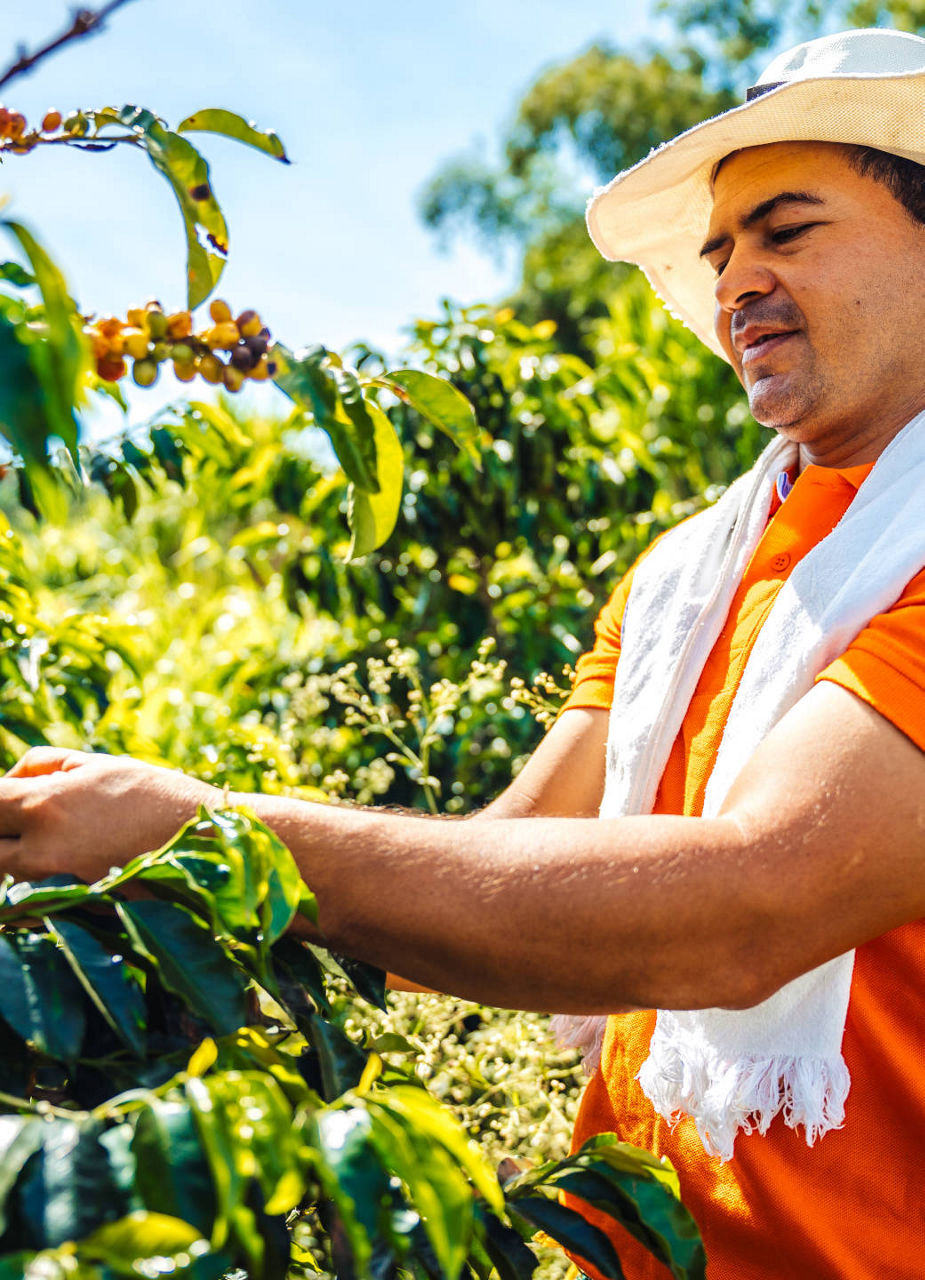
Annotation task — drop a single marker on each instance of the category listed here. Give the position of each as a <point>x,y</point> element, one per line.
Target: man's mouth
<point>765,344</point>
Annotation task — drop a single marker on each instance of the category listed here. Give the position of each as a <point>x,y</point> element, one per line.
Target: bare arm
<point>819,849</point>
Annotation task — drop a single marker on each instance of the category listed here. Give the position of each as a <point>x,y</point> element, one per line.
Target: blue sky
<point>369,99</point>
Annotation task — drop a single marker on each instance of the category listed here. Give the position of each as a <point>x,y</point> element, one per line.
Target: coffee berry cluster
<point>15,134</point>
<point>229,352</point>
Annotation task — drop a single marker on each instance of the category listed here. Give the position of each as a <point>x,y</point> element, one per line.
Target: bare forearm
<point>570,914</point>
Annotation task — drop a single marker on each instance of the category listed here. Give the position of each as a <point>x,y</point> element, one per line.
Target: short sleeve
<point>596,669</point>
<point>885,665</point>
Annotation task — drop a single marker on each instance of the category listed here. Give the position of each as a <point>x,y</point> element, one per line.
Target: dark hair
<point>904,179</point>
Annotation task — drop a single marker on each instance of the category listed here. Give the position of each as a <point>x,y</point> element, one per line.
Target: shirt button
<point>780,562</point>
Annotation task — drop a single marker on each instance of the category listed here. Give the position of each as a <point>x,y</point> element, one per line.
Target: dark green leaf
<point>190,962</point>
<point>340,1061</point>
<point>366,979</point>
<point>20,1136</point>
<point>23,421</point>
<point>310,384</point>
<point>440,403</point>
<point>168,455</point>
<point>298,964</point>
<point>68,1190</point>
<point>173,1174</point>
<point>353,1176</point>
<point>511,1258</point>
<point>108,981</point>
<point>39,996</point>
<point>215,120</point>
<point>571,1231</point>
<point>42,897</point>
<point>15,274</point>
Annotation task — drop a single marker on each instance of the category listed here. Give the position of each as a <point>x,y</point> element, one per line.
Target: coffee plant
<point>188,1086</point>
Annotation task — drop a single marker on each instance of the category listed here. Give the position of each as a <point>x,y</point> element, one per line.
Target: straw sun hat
<point>865,87</point>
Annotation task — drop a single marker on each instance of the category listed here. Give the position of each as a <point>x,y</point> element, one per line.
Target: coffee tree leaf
<point>173,1175</point>
<point>20,1137</point>
<point>61,356</point>
<point>107,980</point>
<point>15,274</point>
<point>442,404</point>
<point>353,1176</point>
<point>68,1189</point>
<point>436,1183</point>
<point>39,996</point>
<point>144,1237</point>
<point>229,125</point>
<point>29,898</point>
<point>420,1111</point>
<point>511,1258</point>
<point>23,421</point>
<point>372,516</point>
<point>307,379</point>
<point>340,1061</point>
<point>571,1231</point>
<point>189,960</point>
<point>187,173</point>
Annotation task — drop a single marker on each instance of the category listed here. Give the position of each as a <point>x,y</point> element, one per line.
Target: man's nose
<point>744,278</point>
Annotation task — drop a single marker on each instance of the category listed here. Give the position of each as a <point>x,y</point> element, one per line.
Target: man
<point>769,815</point>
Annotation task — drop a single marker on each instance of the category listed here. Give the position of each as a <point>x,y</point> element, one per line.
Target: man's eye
<point>785,234</point>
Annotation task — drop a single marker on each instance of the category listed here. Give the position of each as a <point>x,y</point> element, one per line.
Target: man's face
<point>820,298</point>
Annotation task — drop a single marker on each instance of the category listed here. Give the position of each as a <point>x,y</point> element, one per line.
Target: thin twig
<point>85,22</point>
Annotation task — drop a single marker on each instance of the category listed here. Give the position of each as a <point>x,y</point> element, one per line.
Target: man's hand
<point>81,813</point>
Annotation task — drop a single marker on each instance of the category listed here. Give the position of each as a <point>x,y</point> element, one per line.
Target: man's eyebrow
<point>761,211</point>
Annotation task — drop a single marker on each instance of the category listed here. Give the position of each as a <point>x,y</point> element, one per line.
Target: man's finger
<point>41,760</point>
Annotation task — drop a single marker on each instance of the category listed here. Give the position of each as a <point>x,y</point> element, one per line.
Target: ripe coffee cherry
<point>232,378</point>
<point>249,324</point>
<point>111,368</point>
<point>210,367</point>
<point>243,358</point>
<point>136,343</point>
<point>258,344</point>
<point>17,125</point>
<point>225,336</point>
<point>261,370</point>
<point>110,327</point>
<point>220,311</point>
<point>137,317</point>
<point>145,372</point>
<point>180,325</point>
<point>51,122</point>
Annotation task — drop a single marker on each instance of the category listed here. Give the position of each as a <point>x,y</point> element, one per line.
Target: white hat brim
<point>656,213</point>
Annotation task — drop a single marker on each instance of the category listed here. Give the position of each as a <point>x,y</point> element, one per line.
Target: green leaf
<point>20,1137</point>
<point>571,1231</point>
<point>23,422</point>
<point>340,1061</point>
<point>172,1170</point>
<point>296,961</point>
<point>108,981</point>
<point>62,355</point>
<point>307,380</point>
<point>215,120</point>
<point>69,1189</point>
<point>125,1245</point>
<point>39,996</point>
<point>442,404</point>
<point>168,455</point>
<point>189,960</point>
<point>511,1258</point>
<point>353,1176</point>
<point>372,516</point>
<point>15,274</point>
<point>436,1183</point>
<point>188,175</point>
<point>41,897</point>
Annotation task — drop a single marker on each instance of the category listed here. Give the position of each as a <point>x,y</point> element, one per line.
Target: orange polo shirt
<point>852,1206</point>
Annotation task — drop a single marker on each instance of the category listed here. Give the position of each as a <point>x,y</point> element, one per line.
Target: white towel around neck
<point>732,1070</point>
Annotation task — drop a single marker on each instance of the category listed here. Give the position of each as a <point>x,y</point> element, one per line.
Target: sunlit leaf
<point>372,516</point>
<point>216,120</point>
<point>440,403</point>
